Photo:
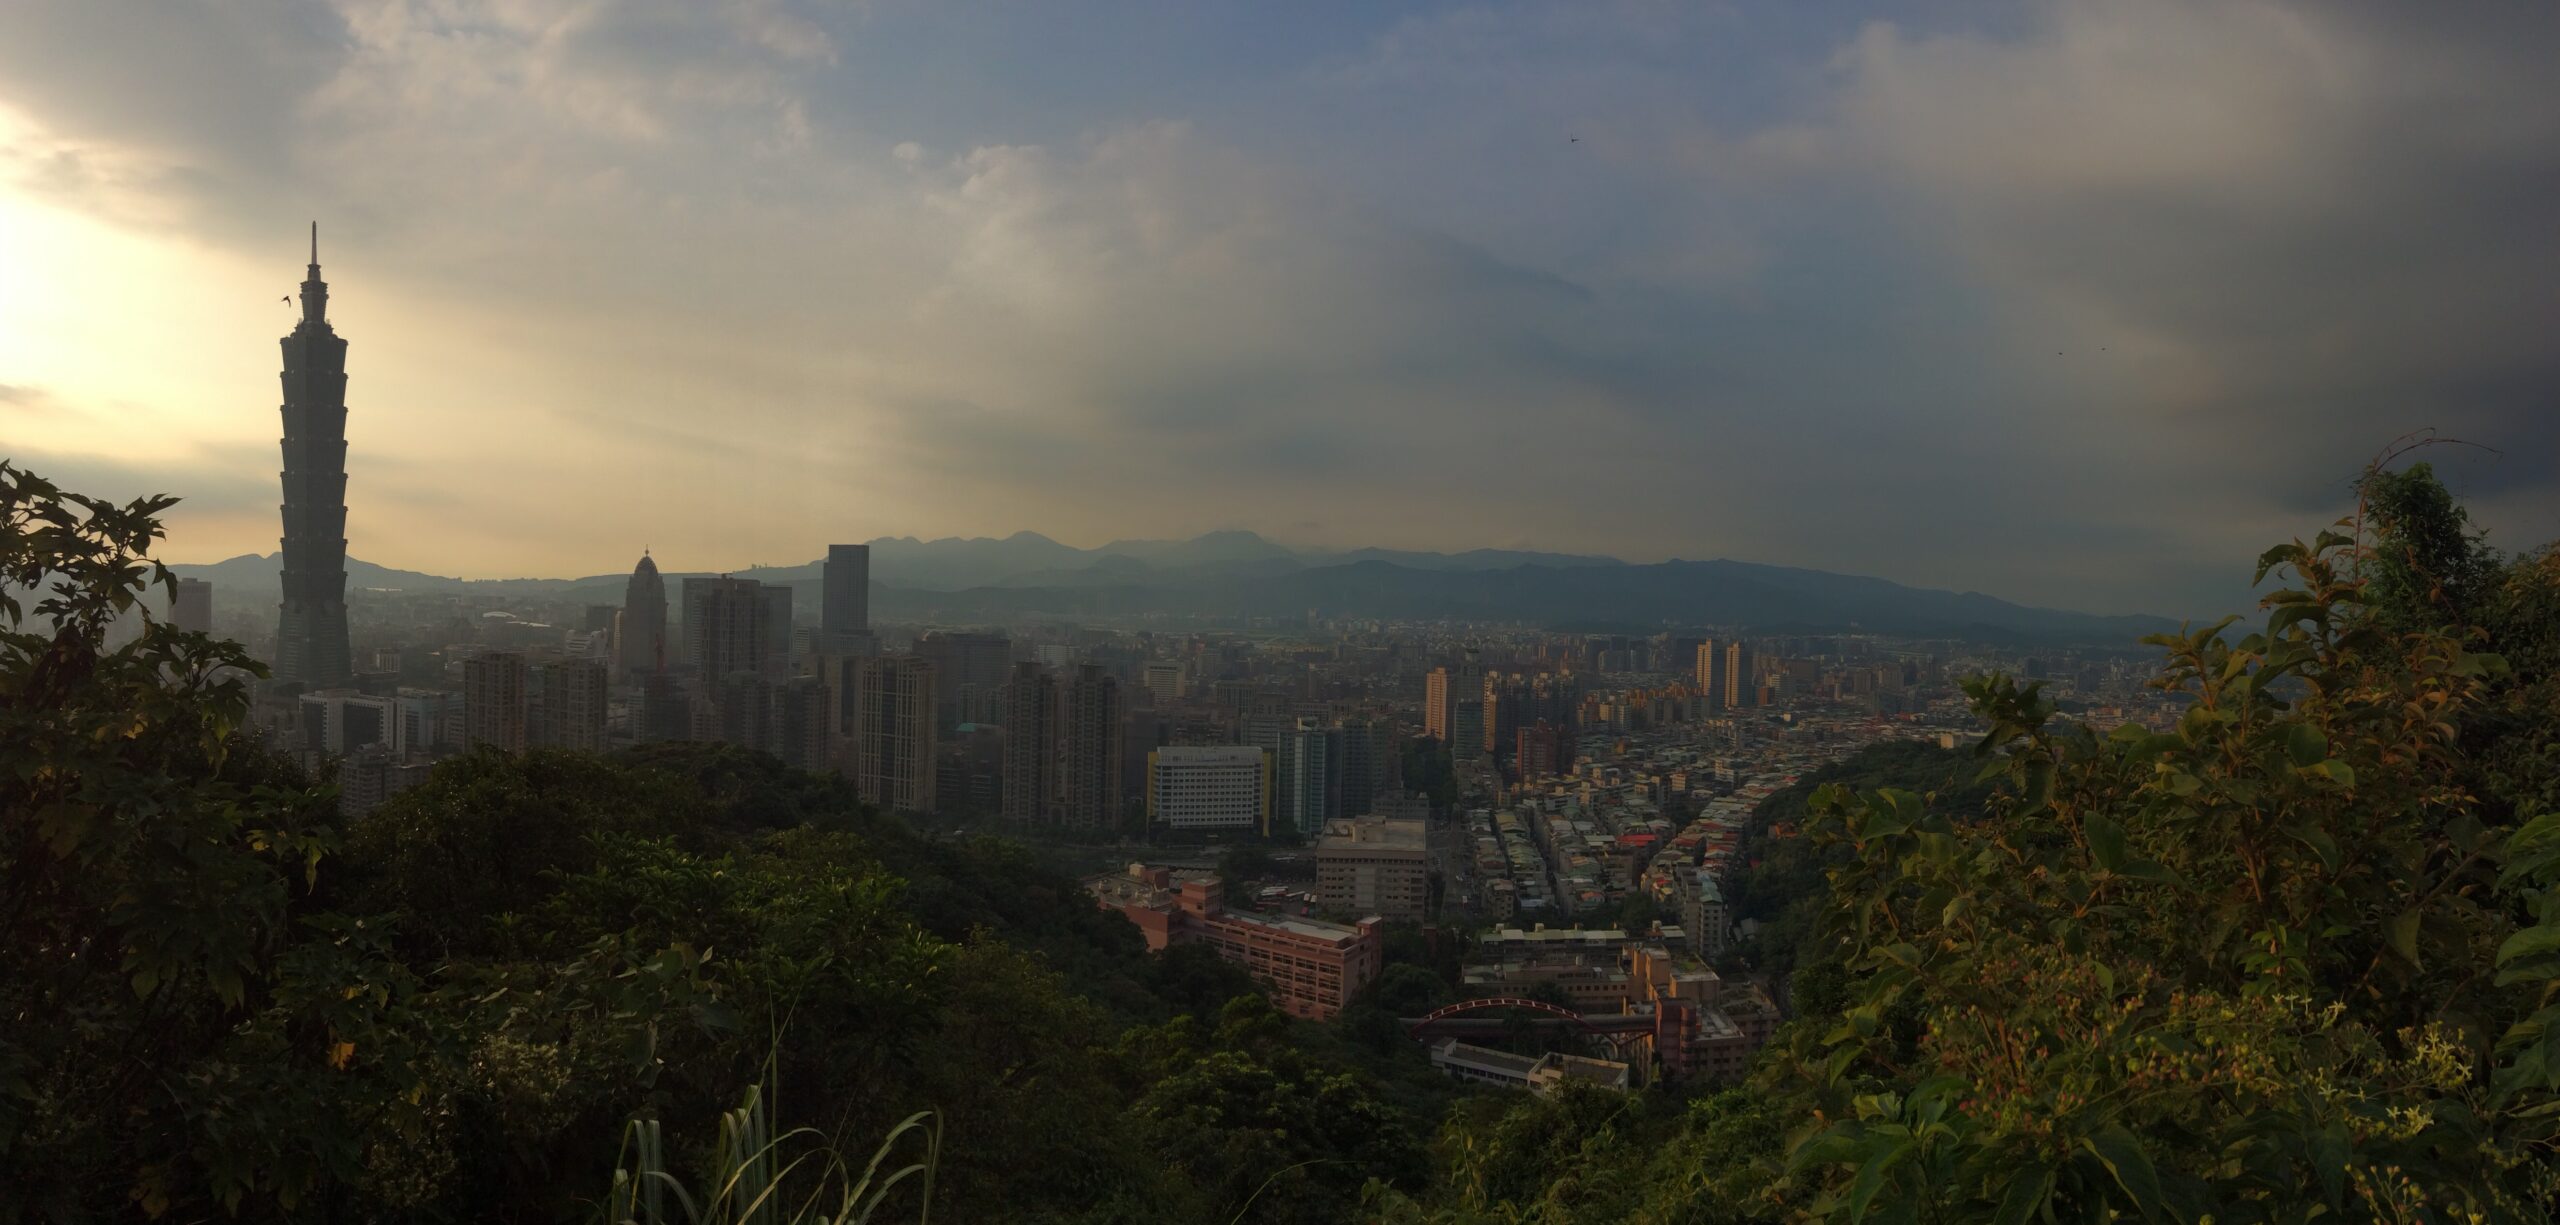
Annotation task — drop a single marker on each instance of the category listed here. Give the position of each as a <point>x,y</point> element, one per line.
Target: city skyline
<point>1794,309</point>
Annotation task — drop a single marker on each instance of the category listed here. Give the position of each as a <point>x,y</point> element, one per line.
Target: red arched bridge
<point>1453,1020</point>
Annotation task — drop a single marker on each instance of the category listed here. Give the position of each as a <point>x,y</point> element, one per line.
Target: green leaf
<point>2531,942</point>
<point>2306,745</point>
<point>1870,1179</point>
<point>2404,935</point>
<point>2106,842</point>
<point>2028,1190</point>
<point>2132,1168</point>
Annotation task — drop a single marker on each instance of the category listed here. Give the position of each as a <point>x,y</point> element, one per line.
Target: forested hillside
<point>2296,958</point>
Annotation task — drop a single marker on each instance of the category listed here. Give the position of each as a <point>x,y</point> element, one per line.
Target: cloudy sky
<point>2078,303</point>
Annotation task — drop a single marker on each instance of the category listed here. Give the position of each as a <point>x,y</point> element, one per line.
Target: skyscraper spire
<point>311,631</point>
<point>315,292</point>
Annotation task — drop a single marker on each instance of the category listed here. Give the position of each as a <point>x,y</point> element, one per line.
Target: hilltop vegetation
<point>2297,957</point>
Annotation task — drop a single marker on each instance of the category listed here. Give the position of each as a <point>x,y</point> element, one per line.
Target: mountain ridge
<point>1243,576</point>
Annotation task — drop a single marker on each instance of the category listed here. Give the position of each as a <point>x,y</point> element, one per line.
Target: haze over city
<point>2075,303</point>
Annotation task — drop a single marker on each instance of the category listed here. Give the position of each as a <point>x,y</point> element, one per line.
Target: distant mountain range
<point>1240,575</point>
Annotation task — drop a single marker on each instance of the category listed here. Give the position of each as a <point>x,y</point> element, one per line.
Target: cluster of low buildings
<point>1309,967</point>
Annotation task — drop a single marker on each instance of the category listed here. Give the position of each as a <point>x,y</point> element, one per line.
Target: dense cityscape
<point>593,774</point>
<point>1527,788</point>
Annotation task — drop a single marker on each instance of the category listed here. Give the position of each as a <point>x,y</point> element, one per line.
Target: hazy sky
<point>2075,303</point>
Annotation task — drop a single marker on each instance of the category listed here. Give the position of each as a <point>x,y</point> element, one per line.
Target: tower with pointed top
<point>311,629</point>
<point>641,645</point>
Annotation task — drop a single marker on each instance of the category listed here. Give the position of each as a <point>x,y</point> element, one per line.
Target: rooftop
<point>1374,833</point>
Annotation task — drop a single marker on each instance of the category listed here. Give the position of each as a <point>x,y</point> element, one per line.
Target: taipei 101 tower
<point>311,632</point>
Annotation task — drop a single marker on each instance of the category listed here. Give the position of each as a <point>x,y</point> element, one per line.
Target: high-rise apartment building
<point>1089,730</point>
<point>778,637</point>
<point>1030,744</point>
<point>1543,751</point>
<point>342,721</point>
<point>729,627</point>
<point>1310,769</point>
<point>1210,788</point>
<point>573,705</point>
<point>493,701</point>
<point>191,606</point>
<point>893,733</point>
<point>803,724</point>
<point>969,674</point>
<point>1735,689</point>
<point>1708,665</point>
<point>311,625</point>
<point>1164,683</point>
<point>640,635</point>
<point>844,607</point>
<point>1438,689</point>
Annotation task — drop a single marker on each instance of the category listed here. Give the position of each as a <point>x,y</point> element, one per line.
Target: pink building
<point>1311,968</point>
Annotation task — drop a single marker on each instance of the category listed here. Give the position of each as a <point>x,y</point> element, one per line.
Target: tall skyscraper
<point>1030,744</point>
<point>1089,730</point>
<point>493,701</point>
<point>573,705</point>
<point>893,732</point>
<point>311,625</point>
<point>1466,726</point>
<point>1368,749</point>
<point>1310,778</point>
<point>191,607</point>
<point>844,614</point>
<point>641,637</point>
<point>1735,689</point>
<point>1438,690</point>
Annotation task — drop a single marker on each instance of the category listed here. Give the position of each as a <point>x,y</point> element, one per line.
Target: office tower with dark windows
<point>844,608</point>
<point>640,638</point>
<point>493,701</point>
<point>1030,714</point>
<point>311,625</point>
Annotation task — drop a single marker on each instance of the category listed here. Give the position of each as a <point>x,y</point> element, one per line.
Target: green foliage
<point>2297,956</point>
<point>150,870</point>
<point>759,1178</point>
<point>2240,969</point>
<point>1786,887</point>
<point>1265,1132</point>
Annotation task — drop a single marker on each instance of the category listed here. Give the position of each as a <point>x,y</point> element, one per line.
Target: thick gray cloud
<point>2078,302</point>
